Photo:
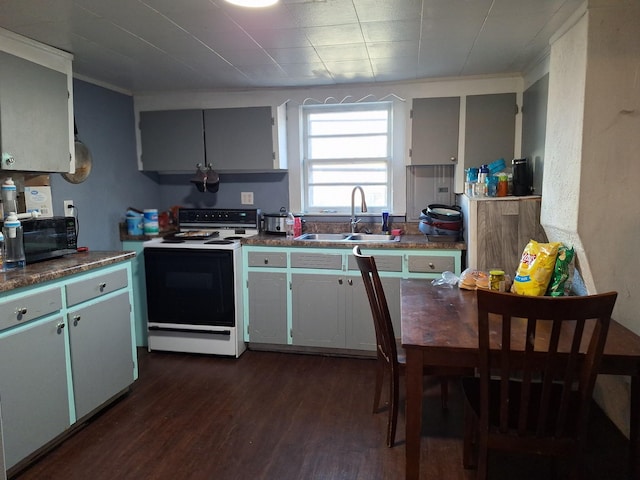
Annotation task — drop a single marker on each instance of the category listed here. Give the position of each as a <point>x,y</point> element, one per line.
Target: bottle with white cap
<point>13,242</point>
<point>8,190</point>
<point>1,252</point>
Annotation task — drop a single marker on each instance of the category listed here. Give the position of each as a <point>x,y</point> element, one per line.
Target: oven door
<point>190,286</point>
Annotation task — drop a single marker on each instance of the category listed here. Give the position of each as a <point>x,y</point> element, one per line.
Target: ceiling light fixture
<point>253,3</point>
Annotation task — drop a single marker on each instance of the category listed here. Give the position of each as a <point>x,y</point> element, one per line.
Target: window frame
<point>306,162</point>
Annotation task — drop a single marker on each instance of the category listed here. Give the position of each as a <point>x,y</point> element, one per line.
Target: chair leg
<point>469,452</point>
<point>394,387</point>
<point>483,458</point>
<point>378,391</point>
<point>444,392</point>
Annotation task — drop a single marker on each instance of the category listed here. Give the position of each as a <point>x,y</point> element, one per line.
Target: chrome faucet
<point>363,206</point>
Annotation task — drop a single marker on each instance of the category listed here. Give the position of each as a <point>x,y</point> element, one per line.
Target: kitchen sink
<point>364,237</point>
<point>347,238</point>
<point>323,237</point>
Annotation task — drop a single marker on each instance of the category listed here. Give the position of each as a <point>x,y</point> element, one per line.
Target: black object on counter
<point>521,177</point>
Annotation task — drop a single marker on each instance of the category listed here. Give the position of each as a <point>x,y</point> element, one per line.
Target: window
<point>346,145</point>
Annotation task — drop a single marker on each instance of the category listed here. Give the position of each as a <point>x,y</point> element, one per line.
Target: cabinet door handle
<point>266,261</point>
<point>76,320</point>
<point>453,159</point>
<point>20,311</point>
<point>59,327</point>
<point>339,281</point>
<point>350,281</point>
<point>102,286</point>
<point>431,265</point>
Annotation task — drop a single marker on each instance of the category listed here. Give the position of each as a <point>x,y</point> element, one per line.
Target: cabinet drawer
<point>267,259</point>
<point>28,307</point>
<point>431,264</point>
<point>384,263</point>
<point>325,261</point>
<point>96,286</point>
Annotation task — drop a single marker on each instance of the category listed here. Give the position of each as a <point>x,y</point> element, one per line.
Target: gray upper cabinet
<point>239,139</point>
<point>34,117</point>
<point>434,130</point>
<point>490,128</point>
<point>172,140</point>
<point>229,139</point>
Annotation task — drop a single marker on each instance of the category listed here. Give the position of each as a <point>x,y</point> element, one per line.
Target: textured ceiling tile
<point>393,31</point>
<point>327,13</point>
<point>386,10</point>
<point>353,51</point>
<point>341,35</point>
<point>293,56</point>
<point>145,44</point>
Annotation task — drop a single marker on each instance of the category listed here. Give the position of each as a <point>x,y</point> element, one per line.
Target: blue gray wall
<point>106,124</point>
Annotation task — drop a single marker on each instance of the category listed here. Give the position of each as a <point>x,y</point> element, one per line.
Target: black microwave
<point>46,238</point>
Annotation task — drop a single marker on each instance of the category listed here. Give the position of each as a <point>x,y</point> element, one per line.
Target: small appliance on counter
<point>521,177</point>
<point>276,223</point>
<point>46,238</point>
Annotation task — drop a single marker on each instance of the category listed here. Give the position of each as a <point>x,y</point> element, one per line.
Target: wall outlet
<point>246,198</point>
<point>68,208</point>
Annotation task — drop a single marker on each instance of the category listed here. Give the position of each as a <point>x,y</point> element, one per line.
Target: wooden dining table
<point>439,328</point>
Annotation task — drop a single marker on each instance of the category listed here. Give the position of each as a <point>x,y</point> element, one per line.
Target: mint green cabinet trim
<point>139,291</point>
<point>335,264</point>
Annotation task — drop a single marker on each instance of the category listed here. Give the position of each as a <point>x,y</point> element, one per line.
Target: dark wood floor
<point>277,416</point>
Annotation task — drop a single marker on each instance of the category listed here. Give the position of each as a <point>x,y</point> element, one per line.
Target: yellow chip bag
<point>535,269</point>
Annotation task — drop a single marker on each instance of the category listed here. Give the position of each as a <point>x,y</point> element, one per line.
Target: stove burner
<point>172,240</point>
<point>233,238</point>
<point>218,242</point>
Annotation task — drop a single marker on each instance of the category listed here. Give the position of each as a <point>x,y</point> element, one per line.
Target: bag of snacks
<point>560,271</point>
<point>536,267</point>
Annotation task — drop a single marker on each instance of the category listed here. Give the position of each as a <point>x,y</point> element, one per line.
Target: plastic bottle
<point>1,252</point>
<point>385,222</point>
<point>482,181</point>
<point>291,221</point>
<point>503,185</point>
<point>8,190</point>
<point>13,242</point>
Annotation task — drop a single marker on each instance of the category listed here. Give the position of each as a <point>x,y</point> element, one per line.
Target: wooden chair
<point>535,381</point>
<point>391,356</point>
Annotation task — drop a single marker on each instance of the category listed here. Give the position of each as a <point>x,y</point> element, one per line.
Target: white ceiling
<point>154,45</point>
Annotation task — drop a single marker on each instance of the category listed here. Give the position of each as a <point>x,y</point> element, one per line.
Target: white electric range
<point>194,282</point>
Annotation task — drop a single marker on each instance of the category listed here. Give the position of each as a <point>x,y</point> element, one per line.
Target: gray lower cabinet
<point>267,294</point>
<point>317,294</point>
<point>33,387</point>
<point>318,310</point>
<point>34,116</point>
<point>139,291</point>
<point>100,340</point>
<point>66,348</point>
<point>3,470</point>
<point>360,333</point>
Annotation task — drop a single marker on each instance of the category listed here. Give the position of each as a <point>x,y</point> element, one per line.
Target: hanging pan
<point>83,161</point>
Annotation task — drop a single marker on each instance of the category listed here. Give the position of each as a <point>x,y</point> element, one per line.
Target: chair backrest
<point>385,337</point>
<point>553,347</point>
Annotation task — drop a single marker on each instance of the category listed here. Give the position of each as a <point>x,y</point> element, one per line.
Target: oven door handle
<point>226,333</point>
